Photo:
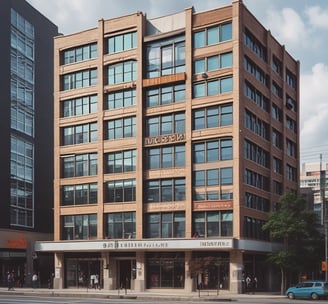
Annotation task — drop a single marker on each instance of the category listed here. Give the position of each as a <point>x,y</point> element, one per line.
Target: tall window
<point>122,42</point>
<point>165,95</point>
<point>121,128</point>
<point>79,134</point>
<point>119,191</point>
<point>21,186</point>
<point>213,177</point>
<point>80,53</point>
<point>165,225</point>
<point>212,224</point>
<point>122,72</point>
<point>80,79</point>
<point>165,124</point>
<point>213,63</point>
<point>213,35</point>
<point>165,157</point>
<point>165,190</point>
<point>121,99</point>
<point>80,165</point>
<point>165,57</point>
<point>212,87</point>
<point>121,225</point>
<point>212,150</point>
<point>212,117</point>
<point>79,106</point>
<point>81,194</point>
<point>121,161</point>
<point>79,227</point>
<point>255,45</point>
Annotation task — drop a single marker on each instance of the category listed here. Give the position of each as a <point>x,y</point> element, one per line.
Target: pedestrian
<point>96,281</point>
<point>248,284</point>
<point>34,280</point>
<point>10,280</point>
<point>254,284</point>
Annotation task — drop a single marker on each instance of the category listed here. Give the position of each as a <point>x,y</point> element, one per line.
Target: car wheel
<point>291,295</point>
<point>314,296</point>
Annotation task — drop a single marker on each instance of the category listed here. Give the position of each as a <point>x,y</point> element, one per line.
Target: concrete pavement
<point>172,295</point>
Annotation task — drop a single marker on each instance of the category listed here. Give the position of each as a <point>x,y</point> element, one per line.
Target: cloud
<point>318,17</point>
<point>314,109</point>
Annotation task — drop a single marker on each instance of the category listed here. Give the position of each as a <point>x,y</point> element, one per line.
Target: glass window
<point>199,39</point>
<point>226,32</point>
<point>212,35</point>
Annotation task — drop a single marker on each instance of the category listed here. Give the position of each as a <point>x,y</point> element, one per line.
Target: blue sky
<point>300,25</point>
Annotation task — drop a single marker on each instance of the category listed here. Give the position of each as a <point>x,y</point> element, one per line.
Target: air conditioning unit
<point>289,104</point>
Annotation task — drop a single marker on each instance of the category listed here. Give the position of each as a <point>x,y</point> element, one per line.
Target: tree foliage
<point>295,226</point>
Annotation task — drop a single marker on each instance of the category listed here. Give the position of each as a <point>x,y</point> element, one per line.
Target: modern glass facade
<point>22,122</point>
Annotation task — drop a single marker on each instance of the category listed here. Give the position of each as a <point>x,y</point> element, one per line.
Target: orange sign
<point>20,243</point>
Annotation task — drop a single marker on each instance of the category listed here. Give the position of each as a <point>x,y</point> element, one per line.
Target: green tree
<point>295,226</point>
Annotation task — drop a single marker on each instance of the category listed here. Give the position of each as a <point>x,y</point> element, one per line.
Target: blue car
<point>308,289</point>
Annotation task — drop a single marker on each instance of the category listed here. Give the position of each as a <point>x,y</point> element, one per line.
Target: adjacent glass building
<point>173,139</point>
<point>26,122</point>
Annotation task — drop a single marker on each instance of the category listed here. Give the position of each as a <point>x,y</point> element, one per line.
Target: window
<point>165,124</point>
<point>122,42</point>
<point>255,45</point>
<point>277,187</point>
<point>79,106</point>
<point>79,227</point>
<point>277,165</point>
<point>21,183</point>
<point>77,54</point>
<point>256,125</point>
<point>213,177</point>
<point>121,128</point>
<point>120,191</point>
<point>253,229</point>
<point>276,65</point>
<point>276,112</point>
<point>257,72</point>
<point>78,80</point>
<point>291,104</point>
<point>212,195</point>
<point>213,35</point>
<point>213,63</point>
<point>291,148</point>
<point>165,157</point>
<point>121,161</point>
<point>165,190</point>
<point>121,225</point>
<point>291,124</point>
<point>212,150</point>
<point>165,225</point>
<point>212,224</point>
<point>165,57</point>
<point>121,99</point>
<point>255,153</point>
<point>82,194</point>
<point>291,173</point>
<point>79,165</point>
<point>212,117</point>
<point>256,202</point>
<point>277,139</point>
<point>212,87</point>
<point>165,95</point>
<point>276,89</point>
<point>290,79</point>
<point>122,72</point>
<point>79,134</point>
<point>257,180</point>
<point>255,95</point>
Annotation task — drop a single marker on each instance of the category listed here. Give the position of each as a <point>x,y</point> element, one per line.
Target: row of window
<point>122,225</point>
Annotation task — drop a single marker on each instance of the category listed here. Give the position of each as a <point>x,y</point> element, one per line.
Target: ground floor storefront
<point>153,265</point>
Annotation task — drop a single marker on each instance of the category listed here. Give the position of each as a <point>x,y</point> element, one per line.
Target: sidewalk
<point>210,295</point>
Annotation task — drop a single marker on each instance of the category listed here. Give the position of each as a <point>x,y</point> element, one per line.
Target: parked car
<point>308,289</point>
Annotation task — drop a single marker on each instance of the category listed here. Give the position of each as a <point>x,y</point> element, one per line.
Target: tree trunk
<point>283,281</point>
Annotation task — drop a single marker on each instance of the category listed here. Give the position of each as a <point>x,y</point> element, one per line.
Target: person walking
<point>34,280</point>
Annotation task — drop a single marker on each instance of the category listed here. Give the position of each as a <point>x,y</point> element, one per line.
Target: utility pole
<point>324,213</point>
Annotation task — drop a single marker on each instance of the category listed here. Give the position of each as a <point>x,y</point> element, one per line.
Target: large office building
<point>26,133</point>
<point>173,137</point>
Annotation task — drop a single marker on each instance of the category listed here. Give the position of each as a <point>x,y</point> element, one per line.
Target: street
<point>18,299</point>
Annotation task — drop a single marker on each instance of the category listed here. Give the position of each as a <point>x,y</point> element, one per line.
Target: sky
<point>300,25</point>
